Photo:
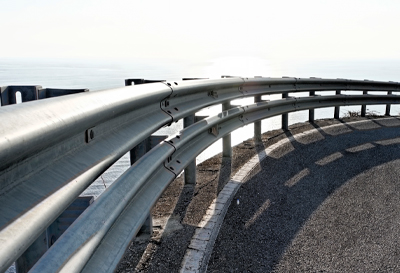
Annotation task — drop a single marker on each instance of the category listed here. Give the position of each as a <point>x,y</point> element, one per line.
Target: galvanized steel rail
<point>51,150</point>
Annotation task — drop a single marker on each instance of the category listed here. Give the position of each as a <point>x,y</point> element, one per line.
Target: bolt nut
<point>89,135</point>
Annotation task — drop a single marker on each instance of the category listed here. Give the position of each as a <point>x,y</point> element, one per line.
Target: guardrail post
<point>32,92</point>
<point>26,92</point>
<point>226,140</point>
<point>135,154</point>
<point>311,112</point>
<point>337,108</point>
<point>28,259</point>
<point>190,170</point>
<point>139,151</point>
<point>56,92</point>
<point>364,106</point>
<point>140,81</point>
<point>285,117</point>
<point>143,147</point>
<point>257,124</point>
<point>387,112</point>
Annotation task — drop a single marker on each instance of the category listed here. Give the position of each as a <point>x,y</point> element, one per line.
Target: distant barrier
<point>8,94</point>
<point>51,150</point>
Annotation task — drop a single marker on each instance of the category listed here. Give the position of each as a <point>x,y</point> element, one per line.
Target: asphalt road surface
<point>325,202</point>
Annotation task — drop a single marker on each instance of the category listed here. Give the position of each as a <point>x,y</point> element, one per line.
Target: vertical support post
<point>337,108</point>
<point>32,254</point>
<point>147,227</point>
<point>285,117</point>
<point>128,82</point>
<point>190,170</point>
<point>363,106</point>
<point>311,112</point>
<point>257,124</point>
<point>136,153</point>
<point>140,150</point>
<point>387,112</point>
<point>226,140</point>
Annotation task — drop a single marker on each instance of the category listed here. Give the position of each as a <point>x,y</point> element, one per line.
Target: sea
<point>97,74</point>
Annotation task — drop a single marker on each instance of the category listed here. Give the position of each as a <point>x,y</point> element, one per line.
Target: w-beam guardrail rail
<point>52,150</point>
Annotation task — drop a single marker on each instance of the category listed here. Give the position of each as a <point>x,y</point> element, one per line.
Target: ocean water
<point>100,74</point>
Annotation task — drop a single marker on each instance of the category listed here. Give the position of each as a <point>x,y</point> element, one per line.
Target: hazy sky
<point>200,30</point>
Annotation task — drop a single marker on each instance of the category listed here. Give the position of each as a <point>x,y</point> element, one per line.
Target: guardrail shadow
<point>182,208</point>
<point>292,184</point>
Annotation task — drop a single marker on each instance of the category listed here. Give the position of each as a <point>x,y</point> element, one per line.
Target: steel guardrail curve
<point>119,119</point>
<point>172,154</point>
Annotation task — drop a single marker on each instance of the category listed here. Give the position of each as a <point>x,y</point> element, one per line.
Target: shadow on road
<point>291,184</point>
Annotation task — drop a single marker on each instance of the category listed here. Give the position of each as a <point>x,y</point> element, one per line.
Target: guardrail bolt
<point>213,94</point>
<point>89,135</point>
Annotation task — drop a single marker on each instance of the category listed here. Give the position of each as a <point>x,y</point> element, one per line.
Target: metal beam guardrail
<point>52,150</point>
<point>177,151</point>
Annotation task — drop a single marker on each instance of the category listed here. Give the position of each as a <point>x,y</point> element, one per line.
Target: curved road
<point>324,202</point>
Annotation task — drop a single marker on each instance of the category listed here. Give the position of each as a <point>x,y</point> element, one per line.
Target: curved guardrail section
<point>51,150</point>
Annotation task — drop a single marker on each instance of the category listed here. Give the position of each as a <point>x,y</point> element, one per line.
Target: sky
<point>200,30</point>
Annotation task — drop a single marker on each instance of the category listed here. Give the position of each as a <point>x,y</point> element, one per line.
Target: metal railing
<point>51,150</point>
